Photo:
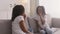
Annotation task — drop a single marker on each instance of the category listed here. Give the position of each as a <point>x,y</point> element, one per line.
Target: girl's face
<point>40,11</point>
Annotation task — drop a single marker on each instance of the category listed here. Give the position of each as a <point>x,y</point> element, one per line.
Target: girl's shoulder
<point>19,18</point>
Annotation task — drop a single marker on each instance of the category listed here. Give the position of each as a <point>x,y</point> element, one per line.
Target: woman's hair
<point>17,10</point>
<point>43,10</point>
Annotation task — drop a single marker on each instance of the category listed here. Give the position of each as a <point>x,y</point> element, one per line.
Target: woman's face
<point>40,11</point>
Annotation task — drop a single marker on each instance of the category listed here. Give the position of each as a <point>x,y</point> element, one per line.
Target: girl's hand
<point>24,16</point>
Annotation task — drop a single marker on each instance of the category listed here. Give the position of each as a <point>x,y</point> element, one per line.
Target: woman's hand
<point>42,19</point>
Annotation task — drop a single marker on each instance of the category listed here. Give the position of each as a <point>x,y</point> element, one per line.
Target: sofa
<point>5,26</point>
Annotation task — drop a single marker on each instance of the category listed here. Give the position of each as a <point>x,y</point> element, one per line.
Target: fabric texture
<point>37,17</point>
<point>15,25</point>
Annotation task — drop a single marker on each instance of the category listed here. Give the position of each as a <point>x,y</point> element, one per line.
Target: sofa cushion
<point>57,31</point>
<point>56,22</point>
<point>5,27</point>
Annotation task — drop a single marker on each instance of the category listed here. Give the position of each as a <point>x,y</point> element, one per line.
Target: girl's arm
<point>23,27</point>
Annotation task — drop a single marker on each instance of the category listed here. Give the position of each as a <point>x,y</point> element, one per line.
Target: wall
<point>26,4</point>
<point>6,7</point>
<point>52,7</point>
<point>33,5</point>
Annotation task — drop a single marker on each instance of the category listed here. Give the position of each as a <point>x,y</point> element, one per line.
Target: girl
<point>18,21</point>
<point>40,17</point>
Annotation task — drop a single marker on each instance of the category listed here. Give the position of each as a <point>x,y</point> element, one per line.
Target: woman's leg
<point>42,32</point>
<point>49,31</point>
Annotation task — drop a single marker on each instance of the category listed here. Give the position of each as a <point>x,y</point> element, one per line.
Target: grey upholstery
<point>5,27</point>
<point>33,24</point>
<point>56,22</point>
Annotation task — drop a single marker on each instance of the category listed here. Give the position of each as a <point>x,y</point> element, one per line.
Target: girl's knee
<point>42,32</point>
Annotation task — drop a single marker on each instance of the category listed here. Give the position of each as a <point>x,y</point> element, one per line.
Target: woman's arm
<point>42,20</point>
<point>39,24</point>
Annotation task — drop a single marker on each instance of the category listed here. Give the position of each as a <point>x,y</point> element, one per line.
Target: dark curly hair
<point>17,10</point>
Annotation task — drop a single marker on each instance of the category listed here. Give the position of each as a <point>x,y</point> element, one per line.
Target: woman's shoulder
<point>36,17</point>
<point>47,15</point>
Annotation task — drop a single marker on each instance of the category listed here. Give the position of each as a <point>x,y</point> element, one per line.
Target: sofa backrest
<point>5,27</point>
<point>33,24</point>
<point>56,22</point>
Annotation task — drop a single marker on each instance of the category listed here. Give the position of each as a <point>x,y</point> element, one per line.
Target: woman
<point>18,21</point>
<point>40,17</point>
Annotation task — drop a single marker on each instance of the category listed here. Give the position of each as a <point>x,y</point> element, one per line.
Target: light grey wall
<point>7,5</point>
<point>6,8</point>
<point>52,7</point>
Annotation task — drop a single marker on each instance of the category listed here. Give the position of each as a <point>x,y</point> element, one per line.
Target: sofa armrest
<point>56,22</point>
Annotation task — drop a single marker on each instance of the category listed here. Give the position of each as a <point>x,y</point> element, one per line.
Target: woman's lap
<point>49,31</point>
<point>46,31</point>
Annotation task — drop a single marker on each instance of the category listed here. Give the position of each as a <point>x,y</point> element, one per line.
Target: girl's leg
<point>42,31</point>
<point>49,31</point>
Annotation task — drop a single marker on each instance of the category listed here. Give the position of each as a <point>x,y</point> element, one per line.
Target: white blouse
<point>37,17</point>
<point>16,27</point>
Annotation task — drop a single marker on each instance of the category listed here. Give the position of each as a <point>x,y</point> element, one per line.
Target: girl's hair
<point>17,10</point>
<point>43,10</point>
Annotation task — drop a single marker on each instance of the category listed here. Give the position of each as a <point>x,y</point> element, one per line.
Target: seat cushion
<point>57,32</point>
